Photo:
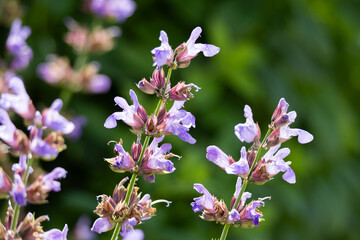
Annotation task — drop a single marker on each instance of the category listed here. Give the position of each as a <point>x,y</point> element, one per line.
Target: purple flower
<point>39,147</point>
<point>127,226</point>
<point>286,132</point>
<point>135,234</point>
<point>275,163</point>
<point>102,225</point>
<point>251,212</point>
<point>49,183</point>
<point>244,196</point>
<point>233,216</point>
<point>163,54</point>
<point>79,122</point>
<point>155,161</point>
<point>248,131</point>
<point>17,46</point>
<point>19,100</point>
<point>55,234</point>
<point>20,168</point>
<point>193,48</point>
<point>179,122</point>
<point>240,167</point>
<point>18,191</point>
<point>82,230</point>
<point>7,128</point>
<point>118,9</point>
<point>206,201</point>
<point>52,118</point>
<point>127,115</point>
<point>98,84</point>
<point>217,156</point>
<point>123,160</point>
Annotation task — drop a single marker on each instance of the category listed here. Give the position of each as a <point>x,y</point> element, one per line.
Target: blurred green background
<point>305,51</point>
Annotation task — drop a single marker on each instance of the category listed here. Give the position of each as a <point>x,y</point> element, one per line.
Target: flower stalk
<point>245,183</point>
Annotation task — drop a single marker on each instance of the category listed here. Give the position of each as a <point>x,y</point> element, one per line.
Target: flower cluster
<point>148,158</point>
<point>118,10</point>
<point>112,210</point>
<point>20,53</point>
<point>30,228</point>
<point>44,140</point>
<point>251,167</point>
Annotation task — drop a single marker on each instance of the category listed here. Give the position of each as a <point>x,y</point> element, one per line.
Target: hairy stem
<point>245,183</point>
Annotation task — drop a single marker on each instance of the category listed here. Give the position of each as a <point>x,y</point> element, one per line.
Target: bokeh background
<point>305,51</point>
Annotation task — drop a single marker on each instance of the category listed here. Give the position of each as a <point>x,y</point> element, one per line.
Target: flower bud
<point>274,138</point>
<point>158,79</point>
<point>5,183</point>
<point>181,91</point>
<point>146,87</point>
<point>136,151</point>
<point>279,117</point>
<point>260,173</point>
<point>151,124</point>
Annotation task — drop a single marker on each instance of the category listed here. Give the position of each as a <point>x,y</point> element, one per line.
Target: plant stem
<point>245,183</point>
<point>17,207</point>
<point>131,184</point>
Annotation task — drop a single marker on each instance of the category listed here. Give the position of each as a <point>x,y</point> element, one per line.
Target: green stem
<point>65,95</point>
<point>245,183</point>
<point>17,207</point>
<point>131,184</point>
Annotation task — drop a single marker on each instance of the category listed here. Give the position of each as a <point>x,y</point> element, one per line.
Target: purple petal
<point>55,121</point>
<point>233,216</point>
<point>102,225</point>
<point>127,226</point>
<point>7,129</point>
<point>239,167</point>
<point>247,131</point>
<point>289,176</point>
<point>18,191</point>
<point>49,179</point>
<point>135,234</point>
<point>206,201</point>
<point>304,136</point>
<point>164,53</point>
<point>55,234</point>
<point>217,156</point>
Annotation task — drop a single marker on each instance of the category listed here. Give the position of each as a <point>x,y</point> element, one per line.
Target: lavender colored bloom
<point>127,115</point>
<point>99,84</point>
<point>49,183</point>
<point>118,9</point>
<point>7,128</point>
<point>217,156</point>
<point>18,191</point>
<point>244,196</point>
<point>39,147</point>
<point>157,163</point>
<point>123,158</point>
<point>82,229</point>
<point>164,53</point>
<point>17,46</point>
<point>179,122</point>
<point>19,100</point>
<point>53,119</point>
<point>55,234</point>
<point>135,234</point>
<point>79,122</point>
<point>275,163</point>
<point>102,225</point>
<point>233,216</point>
<point>248,131</point>
<point>193,48</point>
<point>20,167</point>
<point>286,132</point>
<point>204,202</point>
<point>127,226</point>
<point>251,212</point>
<point>240,167</point>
